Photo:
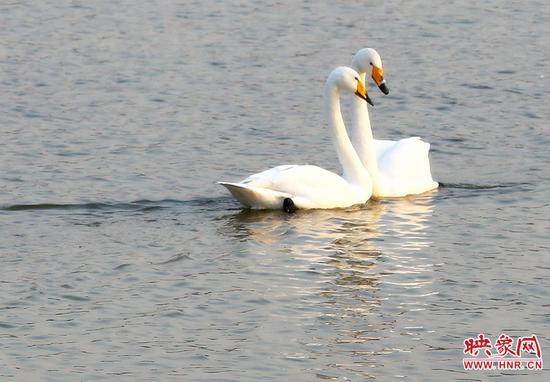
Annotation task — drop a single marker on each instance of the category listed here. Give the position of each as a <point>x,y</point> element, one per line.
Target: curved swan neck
<point>362,136</point>
<point>354,171</point>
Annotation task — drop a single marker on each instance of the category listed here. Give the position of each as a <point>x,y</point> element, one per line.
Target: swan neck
<point>354,171</point>
<point>363,139</point>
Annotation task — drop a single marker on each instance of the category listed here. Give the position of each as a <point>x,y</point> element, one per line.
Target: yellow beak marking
<point>361,89</point>
<point>377,75</point>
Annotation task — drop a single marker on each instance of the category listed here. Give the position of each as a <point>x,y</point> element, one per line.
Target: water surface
<point>123,260</point>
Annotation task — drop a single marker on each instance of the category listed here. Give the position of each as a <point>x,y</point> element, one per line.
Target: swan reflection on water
<point>350,283</point>
<point>350,244</point>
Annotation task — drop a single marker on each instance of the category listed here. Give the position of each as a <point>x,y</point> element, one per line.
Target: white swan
<point>303,186</point>
<point>397,168</point>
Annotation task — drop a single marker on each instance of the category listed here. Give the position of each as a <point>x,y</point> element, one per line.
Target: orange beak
<point>361,92</point>
<point>377,75</point>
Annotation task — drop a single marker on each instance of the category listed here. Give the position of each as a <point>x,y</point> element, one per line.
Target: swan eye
<point>356,79</point>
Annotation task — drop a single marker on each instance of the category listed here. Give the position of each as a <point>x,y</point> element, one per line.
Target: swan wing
<point>405,168</point>
<point>381,146</point>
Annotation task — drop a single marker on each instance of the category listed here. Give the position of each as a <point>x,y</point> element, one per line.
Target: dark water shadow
<point>143,205</point>
<point>471,186</point>
<point>469,190</point>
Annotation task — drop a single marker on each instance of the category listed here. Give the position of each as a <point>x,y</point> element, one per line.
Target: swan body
<point>397,168</point>
<point>404,167</point>
<point>310,186</point>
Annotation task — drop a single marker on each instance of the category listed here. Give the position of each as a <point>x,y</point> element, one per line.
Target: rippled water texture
<point>121,259</point>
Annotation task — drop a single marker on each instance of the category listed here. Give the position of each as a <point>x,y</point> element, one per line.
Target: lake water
<point>122,259</point>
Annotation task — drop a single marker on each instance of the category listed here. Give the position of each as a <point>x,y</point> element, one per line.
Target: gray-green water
<point>121,259</point>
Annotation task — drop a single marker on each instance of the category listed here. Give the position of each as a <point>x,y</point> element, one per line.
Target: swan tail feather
<point>256,197</point>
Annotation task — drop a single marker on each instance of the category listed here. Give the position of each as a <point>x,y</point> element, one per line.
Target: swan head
<point>347,79</point>
<point>368,60</point>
